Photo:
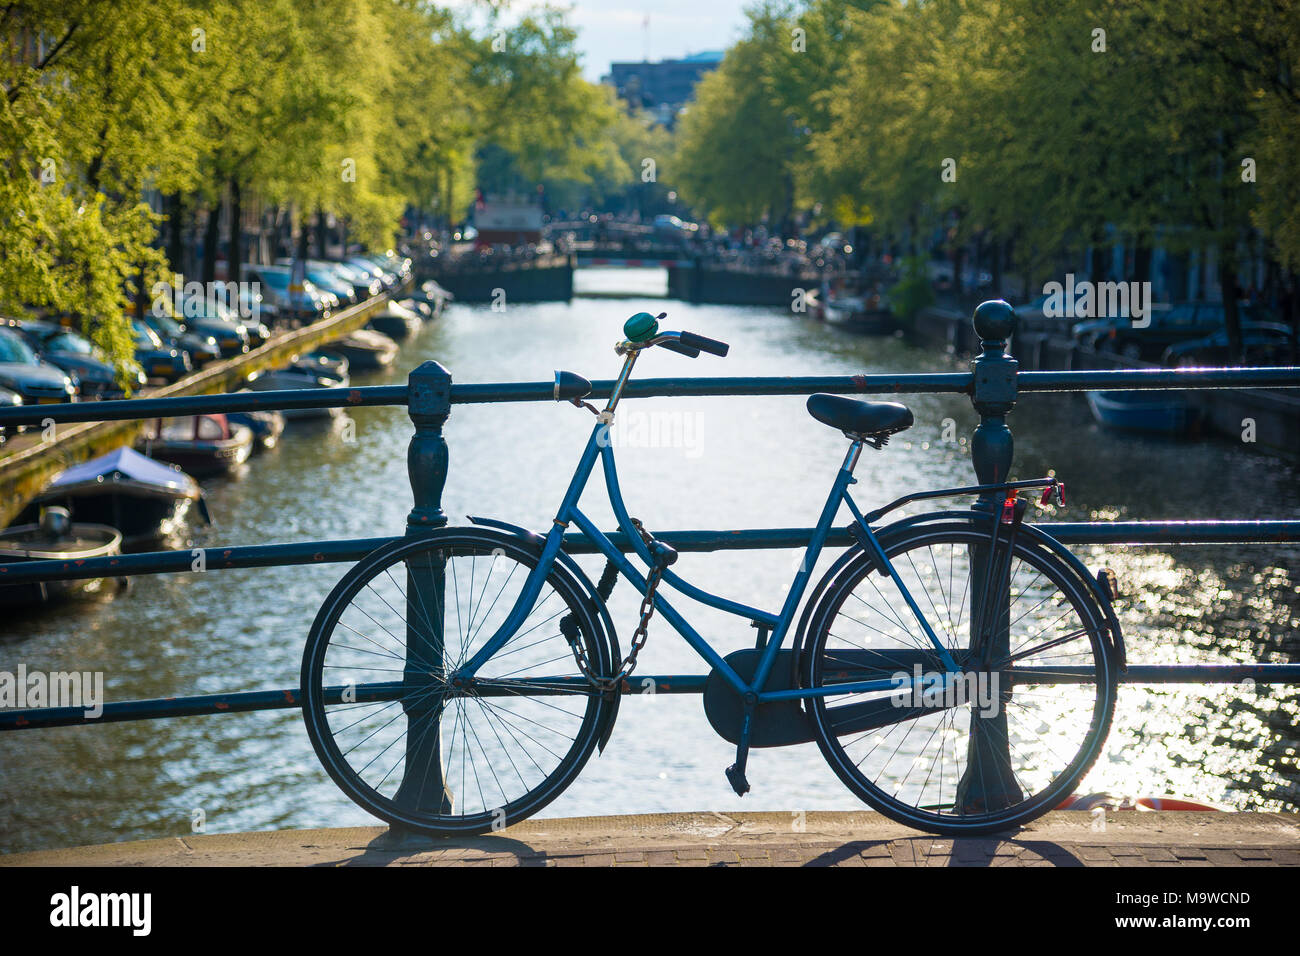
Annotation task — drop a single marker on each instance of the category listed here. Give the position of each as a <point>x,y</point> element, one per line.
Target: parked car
<point>257,307</point>
<point>323,276</point>
<point>9,399</point>
<point>364,283</point>
<point>370,272</point>
<point>65,349</point>
<point>671,227</point>
<point>158,359</point>
<point>23,372</point>
<point>376,269</point>
<point>1167,325</point>
<point>345,281</point>
<point>201,348</point>
<point>1263,343</point>
<point>209,316</point>
<point>307,304</point>
<point>399,265</point>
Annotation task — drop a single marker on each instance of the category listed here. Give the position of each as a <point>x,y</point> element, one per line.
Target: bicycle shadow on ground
<point>951,852</point>
<point>393,846</point>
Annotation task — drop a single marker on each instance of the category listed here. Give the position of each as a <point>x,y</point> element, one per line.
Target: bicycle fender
<point>537,542</point>
<point>1043,539</point>
<point>1089,580</point>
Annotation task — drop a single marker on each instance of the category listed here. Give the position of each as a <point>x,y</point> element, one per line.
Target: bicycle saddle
<point>854,416</point>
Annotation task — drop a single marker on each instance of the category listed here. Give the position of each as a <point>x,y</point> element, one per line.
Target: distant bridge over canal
<point>502,277</point>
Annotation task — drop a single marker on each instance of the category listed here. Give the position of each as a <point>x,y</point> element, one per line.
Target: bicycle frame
<point>599,445</point>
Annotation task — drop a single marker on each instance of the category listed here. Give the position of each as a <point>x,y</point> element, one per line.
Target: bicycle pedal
<point>736,777</point>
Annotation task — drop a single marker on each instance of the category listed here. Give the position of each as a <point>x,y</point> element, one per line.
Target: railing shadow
<point>392,846</point>
<point>955,852</point>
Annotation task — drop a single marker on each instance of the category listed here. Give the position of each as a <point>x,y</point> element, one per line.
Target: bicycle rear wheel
<point>1006,740</point>
<point>394,733</point>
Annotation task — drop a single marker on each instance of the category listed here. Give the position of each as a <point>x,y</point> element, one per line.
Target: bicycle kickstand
<point>736,772</point>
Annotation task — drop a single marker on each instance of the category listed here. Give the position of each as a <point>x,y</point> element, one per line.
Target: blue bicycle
<point>957,669</point>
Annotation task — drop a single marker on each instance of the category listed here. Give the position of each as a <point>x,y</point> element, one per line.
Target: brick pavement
<point>858,838</point>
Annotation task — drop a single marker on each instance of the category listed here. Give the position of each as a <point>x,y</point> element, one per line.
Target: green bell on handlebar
<point>640,327</point>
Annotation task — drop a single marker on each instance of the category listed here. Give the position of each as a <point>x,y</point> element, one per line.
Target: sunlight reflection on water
<point>750,462</point>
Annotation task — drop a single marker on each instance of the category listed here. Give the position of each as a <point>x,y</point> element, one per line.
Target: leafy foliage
<point>112,113</point>
<point>1065,125</point>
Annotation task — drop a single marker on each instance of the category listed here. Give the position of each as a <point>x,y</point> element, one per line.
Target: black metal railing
<point>993,385</point>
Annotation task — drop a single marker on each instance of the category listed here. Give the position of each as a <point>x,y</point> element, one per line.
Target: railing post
<point>989,781</point>
<point>993,394</point>
<point>423,786</point>
<point>428,393</point>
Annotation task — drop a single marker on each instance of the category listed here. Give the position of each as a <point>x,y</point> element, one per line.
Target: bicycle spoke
<point>984,745</point>
<point>505,742</point>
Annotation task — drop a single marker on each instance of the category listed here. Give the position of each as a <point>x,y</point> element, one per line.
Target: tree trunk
<point>995,266</point>
<point>142,299</point>
<point>175,206</point>
<point>1290,309</point>
<point>1142,260</point>
<point>236,243</point>
<point>304,237</point>
<point>321,229</point>
<point>211,235</point>
<point>1097,263</point>
<point>1231,293</point>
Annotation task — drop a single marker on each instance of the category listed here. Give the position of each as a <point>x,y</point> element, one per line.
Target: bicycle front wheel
<point>991,747</point>
<point>382,712</point>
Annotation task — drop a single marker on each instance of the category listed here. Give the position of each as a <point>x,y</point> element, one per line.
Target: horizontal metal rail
<point>751,539</point>
<point>992,385</point>
<point>214,559</point>
<point>932,382</point>
<point>290,697</point>
<point>132,408</point>
<point>1129,379</point>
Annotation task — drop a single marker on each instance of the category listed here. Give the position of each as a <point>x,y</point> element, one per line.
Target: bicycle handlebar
<point>642,331</point>
<point>702,344</point>
<point>680,348</point>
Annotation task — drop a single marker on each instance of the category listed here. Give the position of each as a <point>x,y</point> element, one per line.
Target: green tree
<point>735,148</point>
<point>91,93</point>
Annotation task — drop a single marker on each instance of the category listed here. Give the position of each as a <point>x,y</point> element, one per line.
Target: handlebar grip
<point>680,349</point>
<point>712,346</point>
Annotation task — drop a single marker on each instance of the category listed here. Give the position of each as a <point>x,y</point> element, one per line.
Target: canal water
<point>683,463</point>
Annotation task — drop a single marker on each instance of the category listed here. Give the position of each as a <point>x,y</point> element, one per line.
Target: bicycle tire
<point>523,713</point>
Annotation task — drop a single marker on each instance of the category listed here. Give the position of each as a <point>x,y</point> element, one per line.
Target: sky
<point>613,30</point>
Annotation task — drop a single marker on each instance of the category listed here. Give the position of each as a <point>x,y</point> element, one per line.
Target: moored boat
<point>865,312</point>
<point>365,349</point>
<point>200,444</point>
<point>1155,412</point>
<point>434,296</point>
<point>396,321</point>
<point>323,364</point>
<point>53,538</point>
<point>266,425</point>
<point>144,499</point>
<point>1110,801</point>
<point>305,372</point>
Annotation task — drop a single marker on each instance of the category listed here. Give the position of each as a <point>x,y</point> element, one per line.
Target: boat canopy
<point>130,464</point>
<point>192,428</point>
